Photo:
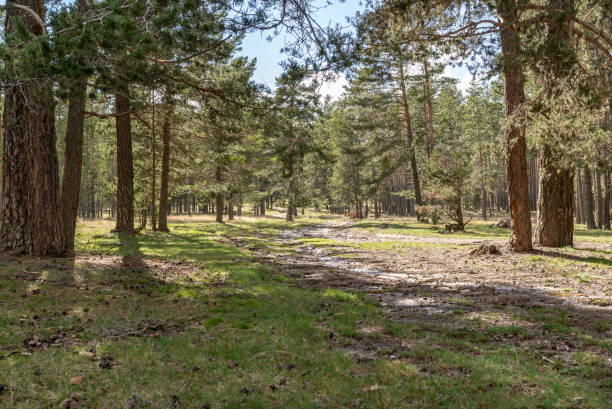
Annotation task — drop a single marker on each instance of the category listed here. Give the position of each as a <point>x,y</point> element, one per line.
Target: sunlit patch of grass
<point>339,295</point>
<point>318,241</point>
<point>397,246</point>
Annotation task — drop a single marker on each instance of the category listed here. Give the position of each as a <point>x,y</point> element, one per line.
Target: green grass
<point>190,316</point>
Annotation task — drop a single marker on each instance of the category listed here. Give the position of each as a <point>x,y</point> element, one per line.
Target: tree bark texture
<point>73,163</point>
<point>31,216</point>
<point>165,171</point>
<point>125,163</point>
<point>587,192</point>
<point>555,214</point>
<point>73,155</point>
<point>514,99</point>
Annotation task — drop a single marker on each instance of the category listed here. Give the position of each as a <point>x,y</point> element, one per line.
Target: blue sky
<point>269,56</point>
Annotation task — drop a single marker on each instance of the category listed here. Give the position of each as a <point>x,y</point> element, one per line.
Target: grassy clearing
<point>152,320</point>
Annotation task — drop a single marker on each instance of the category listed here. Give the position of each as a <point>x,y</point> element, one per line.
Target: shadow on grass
<point>595,260</point>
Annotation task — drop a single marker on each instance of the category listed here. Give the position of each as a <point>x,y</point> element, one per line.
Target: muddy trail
<point>437,282</point>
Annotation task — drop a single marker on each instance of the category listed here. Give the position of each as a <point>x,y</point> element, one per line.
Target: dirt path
<point>447,286</point>
<point>496,279</point>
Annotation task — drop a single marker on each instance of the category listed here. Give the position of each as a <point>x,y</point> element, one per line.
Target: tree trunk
<point>230,207</point>
<point>92,178</point>
<point>73,163</point>
<point>165,172</point>
<point>579,197</point>
<point>219,196</point>
<point>606,200</point>
<point>587,191</point>
<point>31,213</point>
<point>290,195</point>
<point>429,110</point>
<point>125,164</point>
<point>598,199</point>
<point>73,156</point>
<point>219,207</point>
<point>153,167</point>
<point>409,137</point>
<point>514,99</point>
<point>459,212</point>
<point>555,217</point>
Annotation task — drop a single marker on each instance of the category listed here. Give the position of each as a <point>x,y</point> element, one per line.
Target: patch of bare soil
<point>449,287</point>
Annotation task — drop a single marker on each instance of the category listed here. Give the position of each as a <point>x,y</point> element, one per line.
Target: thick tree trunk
<point>44,213</point>
<point>16,122</point>
<point>125,164</point>
<point>514,99</point>
<point>587,191</point>
<point>31,214</point>
<point>555,217</point>
<point>165,171</point>
<point>73,156</point>
<point>555,221</point>
<point>73,163</point>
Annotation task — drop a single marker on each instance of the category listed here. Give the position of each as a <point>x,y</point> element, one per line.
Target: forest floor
<point>321,313</point>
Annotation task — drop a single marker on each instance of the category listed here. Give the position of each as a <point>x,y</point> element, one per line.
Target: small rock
<point>231,364</point>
